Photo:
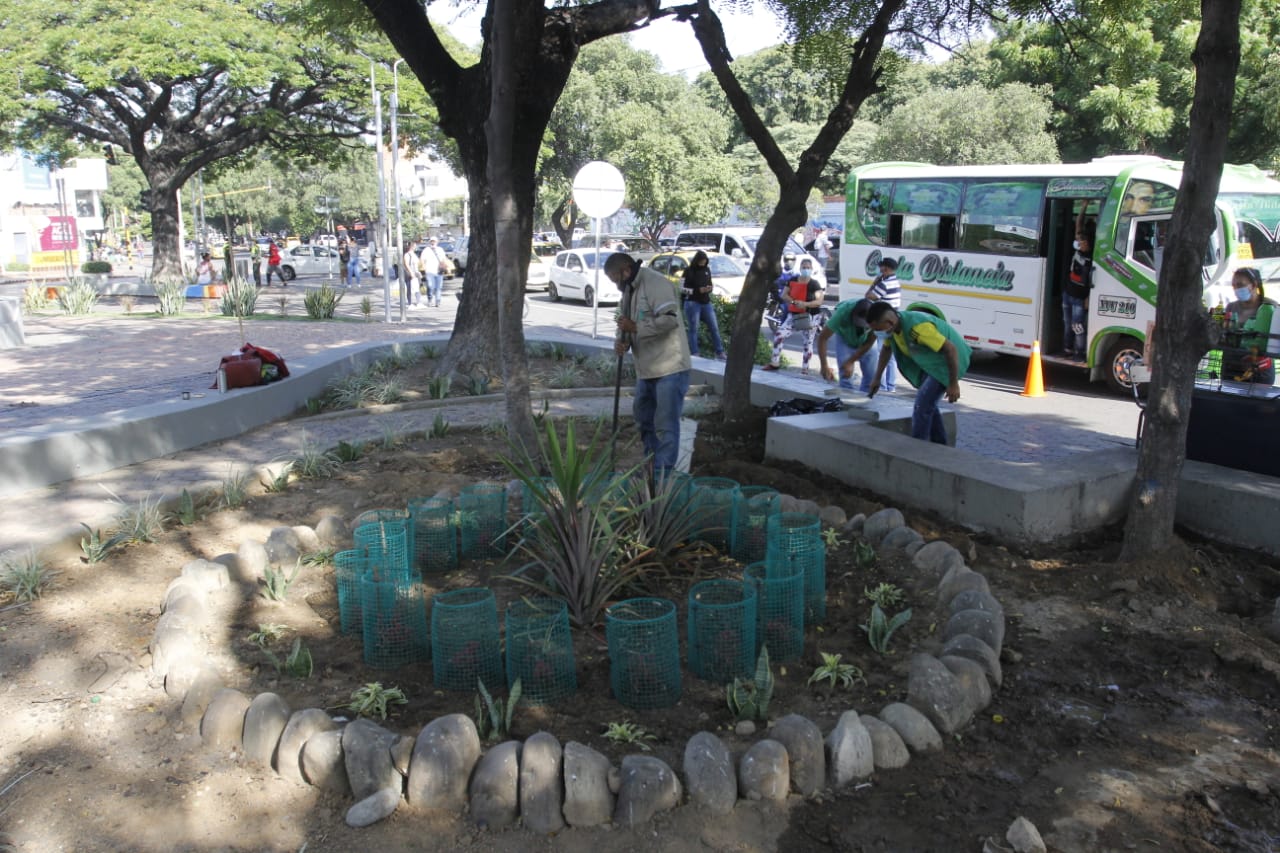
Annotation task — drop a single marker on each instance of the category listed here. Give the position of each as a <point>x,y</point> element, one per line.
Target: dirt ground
<point>1139,708</point>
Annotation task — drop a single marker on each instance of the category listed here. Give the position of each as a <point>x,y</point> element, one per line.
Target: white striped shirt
<point>885,289</point>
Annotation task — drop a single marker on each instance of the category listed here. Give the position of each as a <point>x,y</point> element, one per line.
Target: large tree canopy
<point>179,87</point>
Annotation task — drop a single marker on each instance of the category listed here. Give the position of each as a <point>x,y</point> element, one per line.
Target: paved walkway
<point>77,369</point>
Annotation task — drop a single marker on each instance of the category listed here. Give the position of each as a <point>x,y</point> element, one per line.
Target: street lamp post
<point>395,157</point>
<point>382,192</point>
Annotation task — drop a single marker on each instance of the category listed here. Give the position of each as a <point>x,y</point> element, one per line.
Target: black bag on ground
<point>803,406</point>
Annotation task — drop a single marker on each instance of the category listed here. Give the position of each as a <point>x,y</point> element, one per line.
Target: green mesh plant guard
<point>464,639</point>
<point>795,538</point>
<point>393,621</point>
<point>482,516</point>
<point>435,534</point>
<point>386,547</point>
<point>714,498</point>
<point>779,609</point>
<point>644,652</point>
<point>540,649</point>
<point>722,630</point>
<point>751,514</point>
<point>348,568</point>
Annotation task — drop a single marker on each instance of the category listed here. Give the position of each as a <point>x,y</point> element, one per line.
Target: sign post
<point>598,189</point>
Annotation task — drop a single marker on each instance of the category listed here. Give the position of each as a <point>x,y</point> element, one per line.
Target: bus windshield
<point>1257,218</point>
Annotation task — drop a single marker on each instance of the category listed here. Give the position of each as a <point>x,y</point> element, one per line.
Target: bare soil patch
<point>1139,708</point>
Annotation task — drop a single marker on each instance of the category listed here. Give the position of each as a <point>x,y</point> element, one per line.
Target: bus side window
<point>947,232</point>
<point>895,230</point>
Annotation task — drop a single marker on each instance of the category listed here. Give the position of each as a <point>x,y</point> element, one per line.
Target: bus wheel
<point>1120,355</point>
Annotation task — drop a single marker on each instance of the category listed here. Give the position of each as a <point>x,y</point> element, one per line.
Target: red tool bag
<point>252,366</point>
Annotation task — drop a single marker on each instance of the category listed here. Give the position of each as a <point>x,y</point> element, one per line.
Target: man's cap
<point>859,315</point>
<point>891,263</point>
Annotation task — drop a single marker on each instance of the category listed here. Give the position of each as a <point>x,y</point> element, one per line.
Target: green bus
<point>988,248</point>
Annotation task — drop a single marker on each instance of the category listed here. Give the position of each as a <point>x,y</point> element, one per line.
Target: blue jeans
<point>657,408</point>
<point>435,281</point>
<point>868,363</point>
<point>353,270</point>
<point>926,420</point>
<point>1072,313</point>
<point>695,313</point>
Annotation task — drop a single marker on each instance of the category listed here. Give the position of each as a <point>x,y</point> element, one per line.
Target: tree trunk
<point>166,238</point>
<point>794,185</point>
<point>1181,330</point>
<point>512,232</point>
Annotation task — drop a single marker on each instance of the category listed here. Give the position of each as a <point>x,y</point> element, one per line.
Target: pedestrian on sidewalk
<point>353,265</point>
<point>884,288</point>
<point>933,357</point>
<point>802,295</point>
<point>650,325</point>
<point>344,260</point>
<point>698,309</point>
<point>273,264</point>
<point>255,261</point>
<point>434,264</point>
<point>409,280</point>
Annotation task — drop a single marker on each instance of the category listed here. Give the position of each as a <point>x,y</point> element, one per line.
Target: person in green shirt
<point>931,355</point>
<point>1251,312</point>
<point>848,325</point>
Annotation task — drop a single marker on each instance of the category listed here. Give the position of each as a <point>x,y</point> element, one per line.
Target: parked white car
<point>727,274</point>
<point>540,264</point>
<point>740,243</point>
<point>315,260</point>
<point>574,277</point>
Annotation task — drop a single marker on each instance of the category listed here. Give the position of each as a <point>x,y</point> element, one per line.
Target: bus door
<point>1058,250</point>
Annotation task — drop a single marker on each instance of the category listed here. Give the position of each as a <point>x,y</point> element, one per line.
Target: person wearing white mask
<point>1250,317</point>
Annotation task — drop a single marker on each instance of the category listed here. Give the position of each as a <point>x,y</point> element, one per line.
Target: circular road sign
<point>598,189</point>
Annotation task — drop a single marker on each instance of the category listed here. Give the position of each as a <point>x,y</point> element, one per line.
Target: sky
<point>676,48</point>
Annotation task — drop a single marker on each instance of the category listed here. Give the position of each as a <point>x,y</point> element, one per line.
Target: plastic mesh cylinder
<point>751,514</point>
<point>482,515</point>
<point>393,621</point>
<point>540,650</point>
<point>714,499</point>
<point>464,640</point>
<point>795,538</point>
<point>779,609</point>
<point>386,547</point>
<point>348,567</point>
<point>435,535</point>
<point>644,652</point>
<point>722,630</point>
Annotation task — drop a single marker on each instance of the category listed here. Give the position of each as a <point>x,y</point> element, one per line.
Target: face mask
<point>1243,293</point>
<point>1075,244</point>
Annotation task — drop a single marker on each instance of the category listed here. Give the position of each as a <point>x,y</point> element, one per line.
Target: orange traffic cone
<point>1034,386</point>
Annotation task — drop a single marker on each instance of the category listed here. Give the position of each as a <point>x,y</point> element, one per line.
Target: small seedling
<point>322,557</point>
<point>140,522</point>
<point>429,351</point>
<point>494,429</point>
<point>864,556</point>
<point>540,418</point>
<point>390,438</point>
<point>275,583</point>
<point>314,405</point>
<point>366,308</point>
<point>187,512</point>
<point>749,699</point>
<point>558,352</point>
<point>439,427</point>
<point>279,480</point>
<point>886,595</point>
<point>314,464</point>
<point>96,548</point>
<point>565,376</point>
<point>496,723</point>
<point>234,489</point>
<point>627,732</point>
<point>839,674</point>
<point>26,577</point>
<point>438,387</point>
<point>349,451</point>
<point>373,699</point>
<point>268,632</point>
<point>880,628</point>
<point>831,537</point>
<point>478,384</point>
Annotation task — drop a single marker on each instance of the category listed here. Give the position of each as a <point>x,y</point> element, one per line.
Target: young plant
<point>239,300</point>
<point>749,700</point>
<point>628,733</point>
<point>494,429</point>
<point>439,427</point>
<point>886,595</point>
<point>366,308</point>
<point>235,489</point>
<point>496,723</point>
<point>275,583</point>
<point>278,480</point>
<point>268,632</point>
<point>322,557</point>
<point>299,664</point>
<point>140,522</point>
<point>540,418</point>
<point>566,376</point>
<point>880,628</point>
<point>322,303</point>
<point>839,674</point>
<point>96,548</point>
<point>385,392</point>
<point>390,438</point>
<point>349,451</point>
<point>187,512</point>
<point>315,464</point>
<point>864,556</point>
<point>831,538</point>
<point>26,577</point>
<point>127,302</point>
<point>283,301</point>
<point>35,297</point>
<point>478,383</point>
<point>372,700</point>
<point>573,545</point>
<point>558,351</point>
<point>78,297</point>
<point>438,387</point>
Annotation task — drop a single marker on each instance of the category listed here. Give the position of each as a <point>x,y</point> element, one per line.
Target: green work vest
<point>917,360</point>
<point>841,323</point>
